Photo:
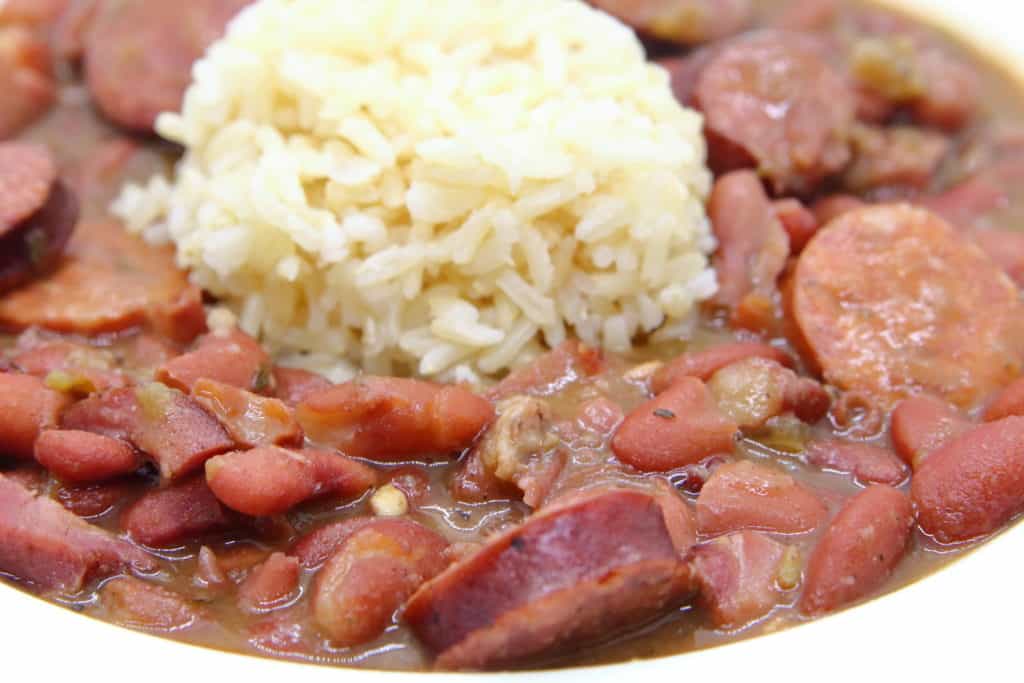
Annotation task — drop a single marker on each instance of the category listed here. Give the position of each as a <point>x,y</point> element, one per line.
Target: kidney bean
<point>922,424</point>
<point>704,364</point>
<point>76,456</point>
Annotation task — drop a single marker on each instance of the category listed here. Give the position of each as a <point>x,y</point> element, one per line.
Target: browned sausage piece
<point>269,480</point>
<point>739,577</point>
<point>867,464</point>
<point>33,248</point>
<point>250,419</point>
<point>974,484</point>
<point>28,407</point>
<point>130,602</point>
<point>772,102</point>
<point>858,552</point>
<point>747,495</point>
<point>687,22</point>
<point>894,159</point>
<point>922,424</point>
<point>27,84</point>
<point>45,545</point>
<point>518,449</point>
<point>77,456</point>
<point>163,423</point>
<point>586,568</point>
<point>704,364</point>
<point>233,358</point>
<point>752,249</point>
<point>371,575</point>
<point>27,175</point>
<point>884,298</point>
<point>111,281</point>
<point>681,426</point>
<point>166,516</point>
<point>569,361</point>
<point>387,418</point>
<point>139,55</point>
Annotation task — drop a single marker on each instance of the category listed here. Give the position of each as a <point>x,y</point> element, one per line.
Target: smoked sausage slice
<point>587,567</point>
<point>886,296</point>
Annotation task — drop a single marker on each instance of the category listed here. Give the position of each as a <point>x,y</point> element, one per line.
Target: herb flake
<point>664,413</point>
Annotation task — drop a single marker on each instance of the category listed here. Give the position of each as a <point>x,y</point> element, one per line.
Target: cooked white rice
<point>435,186</point>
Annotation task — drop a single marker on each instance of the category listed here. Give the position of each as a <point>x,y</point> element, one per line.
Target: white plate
<point>960,624</point>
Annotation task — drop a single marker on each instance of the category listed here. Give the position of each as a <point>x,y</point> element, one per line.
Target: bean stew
<point>846,417</point>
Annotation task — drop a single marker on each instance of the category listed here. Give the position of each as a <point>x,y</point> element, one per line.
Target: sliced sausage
<point>139,55</point>
<point>77,456</point>
<point>233,358</point>
<point>95,500</point>
<point>28,407</point>
<point>27,176</point>
<point>270,585</point>
<point>269,480</point>
<point>922,424</point>
<point>772,102</point>
<point>130,602</point>
<point>111,281</point>
<point>746,495</point>
<point>738,577</point>
<point>568,362</point>
<point>687,22</point>
<point>166,425</point>
<point>704,364</point>
<point>859,551</point>
<point>370,576</point>
<point>249,419</point>
<point>27,84</point>
<point>866,463</point>
<point>752,249</point>
<point>34,247</point>
<point>884,298</point>
<point>166,516</point>
<point>386,418</point>
<point>587,568</point>
<point>681,426</point>
<point>974,484</point>
<point>47,546</point>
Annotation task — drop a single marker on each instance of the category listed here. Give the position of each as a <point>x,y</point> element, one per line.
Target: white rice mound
<point>442,187</point>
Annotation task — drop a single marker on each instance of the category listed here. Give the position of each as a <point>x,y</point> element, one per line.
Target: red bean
<point>76,456</point>
<point>746,495</point>
<point>233,358</point>
<point>974,484</point>
<point>799,222</point>
<point>167,516</point>
<point>679,427</point>
<point>859,550</point>
<point>868,464</point>
<point>370,575</point>
<point>563,365</point>
<point>28,407</point>
<point>138,604</point>
<point>922,424</point>
<point>385,418</point>
<point>269,480</point>
<point>270,585</point>
<point>704,364</point>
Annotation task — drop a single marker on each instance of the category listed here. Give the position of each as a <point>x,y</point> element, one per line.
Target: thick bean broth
<point>206,570</point>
